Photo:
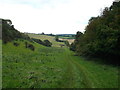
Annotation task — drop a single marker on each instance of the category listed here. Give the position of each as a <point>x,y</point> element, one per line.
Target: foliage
<point>78,38</point>
<point>45,37</point>
<point>37,40</point>
<point>67,43</point>
<point>42,33</point>
<point>9,33</point>
<point>30,46</point>
<point>66,36</point>
<point>102,36</point>
<point>50,34</point>
<point>47,43</point>
<point>56,38</point>
<point>73,47</point>
<point>16,44</point>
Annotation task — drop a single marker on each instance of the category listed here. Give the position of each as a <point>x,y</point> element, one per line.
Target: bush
<point>30,46</point>
<point>16,44</point>
<point>67,43</point>
<point>38,41</point>
<point>47,43</point>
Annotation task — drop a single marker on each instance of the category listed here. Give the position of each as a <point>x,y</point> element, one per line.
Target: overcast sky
<point>51,16</point>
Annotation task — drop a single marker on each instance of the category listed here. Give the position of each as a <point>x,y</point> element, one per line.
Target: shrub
<point>30,46</point>
<point>16,44</point>
<point>47,43</point>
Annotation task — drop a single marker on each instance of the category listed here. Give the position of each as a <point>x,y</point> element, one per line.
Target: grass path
<point>69,73</point>
<point>81,75</point>
<point>75,76</point>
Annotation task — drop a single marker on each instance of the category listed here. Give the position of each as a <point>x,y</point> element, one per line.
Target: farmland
<point>52,67</point>
<point>44,37</point>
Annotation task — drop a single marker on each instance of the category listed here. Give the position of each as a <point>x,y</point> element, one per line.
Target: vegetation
<point>28,63</point>
<point>67,43</point>
<point>102,36</point>
<point>9,33</point>
<point>30,46</point>
<point>56,38</point>
<point>66,36</point>
<point>52,67</point>
<point>45,42</point>
<point>45,37</point>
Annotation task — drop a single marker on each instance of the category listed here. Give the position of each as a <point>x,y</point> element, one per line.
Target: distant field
<point>66,37</point>
<point>46,37</point>
<point>52,39</point>
<point>42,37</point>
<point>69,40</point>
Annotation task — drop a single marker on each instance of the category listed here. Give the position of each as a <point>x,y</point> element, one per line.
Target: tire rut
<point>81,71</point>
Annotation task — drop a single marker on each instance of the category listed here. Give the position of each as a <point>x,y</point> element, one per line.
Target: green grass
<point>24,68</point>
<point>53,67</point>
<point>63,37</point>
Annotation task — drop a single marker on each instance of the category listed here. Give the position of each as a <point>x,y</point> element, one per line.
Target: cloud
<point>51,16</point>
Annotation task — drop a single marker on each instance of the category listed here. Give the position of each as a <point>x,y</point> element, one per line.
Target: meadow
<point>46,37</point>
<point>52,67</point>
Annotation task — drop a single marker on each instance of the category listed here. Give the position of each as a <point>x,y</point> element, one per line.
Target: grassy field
<point>66,37</point>
<point>53,67</point>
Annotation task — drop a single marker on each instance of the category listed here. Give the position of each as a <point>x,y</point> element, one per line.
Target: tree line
<point>101,37</point>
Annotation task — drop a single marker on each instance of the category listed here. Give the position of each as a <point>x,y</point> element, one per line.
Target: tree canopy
<point>102,36</point>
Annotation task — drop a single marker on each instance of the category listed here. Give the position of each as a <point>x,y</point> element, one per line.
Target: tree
<point>56,38</point>
<point>67,43</point>
<point>101,37</point>
<point>73,47</point>
<point>9,33</point>
<point>42,33</point>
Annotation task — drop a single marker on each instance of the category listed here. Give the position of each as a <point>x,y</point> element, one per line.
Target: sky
<point>51,16</point>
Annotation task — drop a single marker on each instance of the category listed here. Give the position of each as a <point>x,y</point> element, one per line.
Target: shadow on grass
<point>99,60</point>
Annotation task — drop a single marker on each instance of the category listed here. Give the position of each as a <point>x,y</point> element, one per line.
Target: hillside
<point>52,67</point>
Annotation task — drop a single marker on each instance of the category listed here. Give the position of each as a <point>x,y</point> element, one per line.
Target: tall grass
<point>24,68</point>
